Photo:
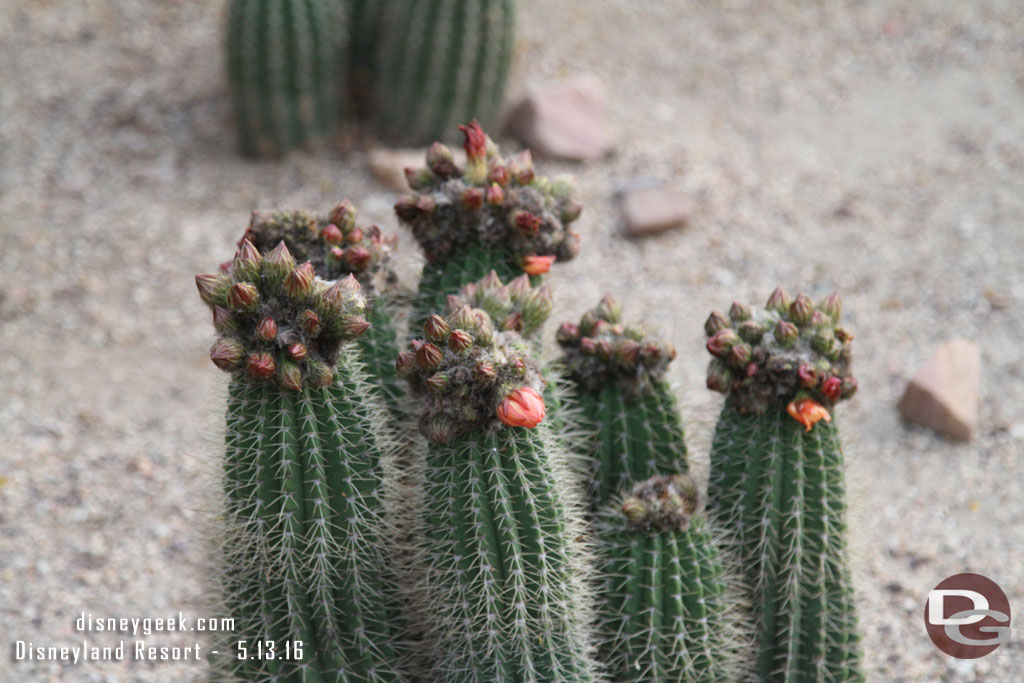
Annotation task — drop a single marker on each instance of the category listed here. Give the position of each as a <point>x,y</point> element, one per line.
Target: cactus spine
<point>285,65</point>
<point>498,571</point>
<point>336,247</point>
<point>669,608</point>
<point>306,453</point>
<point>441,62</point>
<point>494,214</point>
<point>777,480</point>
<point>621,392</point>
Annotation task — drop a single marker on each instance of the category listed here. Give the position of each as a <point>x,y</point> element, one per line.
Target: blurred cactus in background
<point>304,541</point>
<point>286,68</point>
<point>777,482</point>
<point>440,63</point>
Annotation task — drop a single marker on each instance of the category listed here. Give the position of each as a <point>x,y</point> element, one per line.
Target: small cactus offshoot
<point>776,481</point>
<point>669,609</point>
<point>516,307</point>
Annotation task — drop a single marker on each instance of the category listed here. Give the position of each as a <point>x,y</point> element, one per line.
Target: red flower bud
<point>211,288</point>
<point>808,376</point>
<point>513,322</point>
<point>832,389</point>
<point>343,215</point>
<point>309,322</point>
<point>475,143</point>
<point>354,237</point>
<point>226,354</point>
<point>801,310</point>
<point>567,332</point>
<point>299,282</point>
<point>523,407</point>
<point>280,259</point>
<point>537,265</point>
<point>520,167</point>
<point>405,364</point>
<point>832,306</point>
<point>495,195</point>
<point>849,386</point>
<point>779,301</point>
<point>436,329</point>
<point>267,329</point>
<point>441,161</point>
<point>715,322</point>
<point>460,340</point>
<point>526,222</point>
<point>332,234</point>
<point>297,351</point>
<point>587,346</point>
<point>722,341</point>
<point>242,296</point>
<point>497,173</point>
<point>472,198</point>
<point>484,372</point>
<point>260,365</point>
<point>438,383</point>
<point>291,376</point>
<point>354,326</point>
<point>786,333</point>
<point>429,357</point>
<point>738,312</point>
<point>357,258</point>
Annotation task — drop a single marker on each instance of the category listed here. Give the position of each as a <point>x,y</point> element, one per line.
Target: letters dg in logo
<point>967,616</point>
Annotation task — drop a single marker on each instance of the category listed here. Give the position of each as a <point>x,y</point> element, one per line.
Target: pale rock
<point>943,395</point>
<point>654,209</point>
<point>566,120</point>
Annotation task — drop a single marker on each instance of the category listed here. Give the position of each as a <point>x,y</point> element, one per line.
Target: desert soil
<point>872,147</point>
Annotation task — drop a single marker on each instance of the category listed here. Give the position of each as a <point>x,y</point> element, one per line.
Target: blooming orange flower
<point>807,412</point>
<point>538,265</point>
<point>524,407</point>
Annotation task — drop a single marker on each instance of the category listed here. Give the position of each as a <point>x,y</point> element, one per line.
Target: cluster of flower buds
<point>661,503</point>
<point>277,321</point>
<point>471,375</point>
<point>599,350</point>
<point>516,307</point>
<point>334,244</point>
<point>493,201</point>
<point>791,353</point>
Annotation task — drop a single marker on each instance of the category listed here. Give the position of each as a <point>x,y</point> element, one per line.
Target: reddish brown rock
<point>654,209</point>
<point>944,393</point>
<point>567,120</point>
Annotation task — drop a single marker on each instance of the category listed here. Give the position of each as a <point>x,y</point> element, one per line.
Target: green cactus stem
<point>286,67</point>
<point>440,63</point>
<point>777,482</point>
<point>626,405</point>
<point>364,20</point>
<point>494,214</point>
<point>670,610</point>
<point>337,247</point>
<point>497,573</point>
<point>307,450</point>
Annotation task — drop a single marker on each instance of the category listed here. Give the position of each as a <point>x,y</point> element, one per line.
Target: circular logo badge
<point>967,616</point>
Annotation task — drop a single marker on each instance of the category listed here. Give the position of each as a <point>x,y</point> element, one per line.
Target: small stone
<point>650,210</point>
<point>567,120</point>
<point>943,395</point>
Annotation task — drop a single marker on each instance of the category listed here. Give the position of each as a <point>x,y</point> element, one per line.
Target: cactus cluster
<point>777,479</point>
<point>438,64</point>
<point>304,538</point>
<point>286,66</point>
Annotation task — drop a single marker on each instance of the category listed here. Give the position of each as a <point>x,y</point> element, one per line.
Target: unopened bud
<point>290,376</point>
<point>309,322</point>
<point>525,222</point>
<point>472,198</point>
<point>299,282</point>
<point>226,354</point>
<point>246,265</point>
<point>609,309</point>
<point>719,377</point>
<point>513,322</point>
<point>460,340</point>
<point>832,306</point>
<point>779,301</point>
<point>751,331</point>
<point>436,329</point>
<point>715,322</point>
<point>441,161</point>
<point>242,296</point>
<point>740,355</point>
<point>567,332</point>
<point>357,258</point>
<point>785,333</point>
<point>319,374</point>
<point>267,329</point>
<point>343,215</point>
<point>297,351</point>
<point>429,357</point>
<point>354,326</point>
<point>332,234</point>
<point>280,261</point>
<point>801,310</point>
<point>438,383</point>
<point>212,288</point>
<point>520,167</point>
<point>405,364</point>
<point>832,389</point>
<point>260,365</point>
<point>739,312</point>
<point>722,341</point>
<point>495,195</point>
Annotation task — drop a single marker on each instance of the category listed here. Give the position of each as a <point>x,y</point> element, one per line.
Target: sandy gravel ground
<point>875,147</point>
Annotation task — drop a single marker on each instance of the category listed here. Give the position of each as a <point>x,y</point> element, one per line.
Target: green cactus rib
<point>669,608</point>
<point>636,437</point>
<point>303,548</point>
<point>499,575</point>
<point>441,279</point>
<point>378,348</point>
<point>364,20</point>
<point>285,63</point>
<point>441,63</point>
<point>779,489</point>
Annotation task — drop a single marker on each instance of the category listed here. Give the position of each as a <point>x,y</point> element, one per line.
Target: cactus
<point>620,389</point>
<point>497,573</point>
<point>336,247</point>
<point>364,22</point>
<point>670,611</point>
<point>777,479</point>
<point>495,214</point>
<point>286,68</point>
<point>306,453</point>
<point>440,63</point>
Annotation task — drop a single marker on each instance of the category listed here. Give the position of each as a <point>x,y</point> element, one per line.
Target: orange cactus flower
<point>807,412</point>
<point>538,265</point>
<point>524,407</point>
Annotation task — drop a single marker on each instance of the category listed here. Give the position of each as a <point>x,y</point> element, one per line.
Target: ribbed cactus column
<point>670,611</point>
<point>497,572</point>
<point>495,214</point>
<point>623,399</point>
<point>336,247</point>
<point>364,35</point>
<point>777,479</point>
<point>286,64</point>
<point>304,567</point>
<point>441,62</point>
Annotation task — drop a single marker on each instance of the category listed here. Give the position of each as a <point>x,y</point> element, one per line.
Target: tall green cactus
<point>286,65</point>
<point>336,247</point>
<point>306,455</point>
<point>618,374</point>
<point>364,34</point>
<point>495,214</point>
<point>670,610</point>
<point>497,572</point>
<point>441,62</point>
<point>777,480</point>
